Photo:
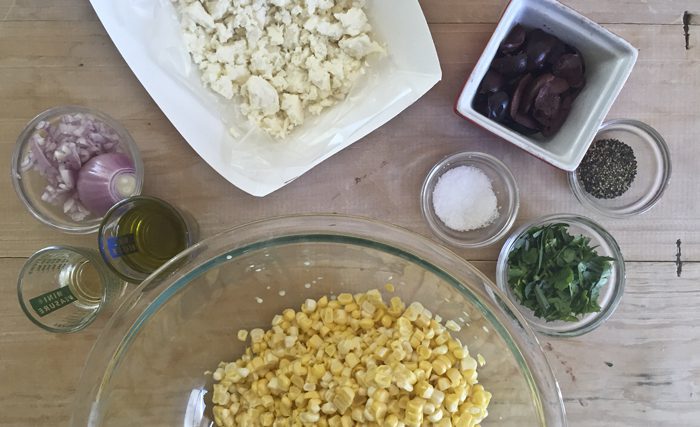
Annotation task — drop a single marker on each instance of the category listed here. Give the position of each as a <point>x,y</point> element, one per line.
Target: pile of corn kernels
<point>348,361</point>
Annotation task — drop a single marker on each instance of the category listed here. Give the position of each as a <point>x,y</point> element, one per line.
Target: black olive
<point>480,104</point>
<point>546,105</point>
<point>539,45</point>
<point>569,66</point>
<point>498,104</point>
<point>514,40</point>
<point>492,82</point>
<point>510,65</point>
<point>558,121</point>
<point>558,50</point>
<point>520,128</point>
<point>528,98</point>
<point>518,94</point>
<point>519,117</point>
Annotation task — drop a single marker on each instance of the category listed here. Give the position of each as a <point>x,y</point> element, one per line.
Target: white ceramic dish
<point>609,61</point>
<point>148,37</point>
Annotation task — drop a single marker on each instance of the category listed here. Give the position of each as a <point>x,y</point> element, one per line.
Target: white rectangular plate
<point>147,34</point>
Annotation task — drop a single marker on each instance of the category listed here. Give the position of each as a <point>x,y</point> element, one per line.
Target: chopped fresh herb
<point>555,274</point>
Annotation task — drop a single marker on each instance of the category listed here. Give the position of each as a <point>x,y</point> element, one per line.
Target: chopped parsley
<point>555,274</point>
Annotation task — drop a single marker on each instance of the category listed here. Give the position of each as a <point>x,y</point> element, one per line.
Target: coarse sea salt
<point>464,200</point>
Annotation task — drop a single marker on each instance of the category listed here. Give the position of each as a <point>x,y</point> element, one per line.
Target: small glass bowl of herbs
<point>564,272</point>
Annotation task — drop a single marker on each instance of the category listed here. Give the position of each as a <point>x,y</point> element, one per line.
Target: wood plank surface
<point>639,368</point>
<point>668,12</point>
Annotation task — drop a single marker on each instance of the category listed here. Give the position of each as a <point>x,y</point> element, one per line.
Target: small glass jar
<point>653,170</point>
<point>504,187</point>
<point>31,186</point>
<point>63,288</point>
<point>140,234</point>
<point>610,294</point>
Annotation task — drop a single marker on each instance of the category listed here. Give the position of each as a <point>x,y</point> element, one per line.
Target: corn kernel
<point>437,397</point>
<point>391,420</point>
<point>453,326</point>
<point>309,417</point>
<point>315,342</point>
<point>345,298</point>
<point>288,314</point>
<point>377,410</point>
<point>423,389</point>
<point>387,321</point>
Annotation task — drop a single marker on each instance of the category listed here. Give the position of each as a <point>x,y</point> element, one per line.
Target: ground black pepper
<point>608,169</point>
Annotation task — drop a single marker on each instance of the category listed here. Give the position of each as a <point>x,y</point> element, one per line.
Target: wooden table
<point>641,367</point>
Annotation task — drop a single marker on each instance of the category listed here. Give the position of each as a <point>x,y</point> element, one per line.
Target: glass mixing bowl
<point>148,365</point>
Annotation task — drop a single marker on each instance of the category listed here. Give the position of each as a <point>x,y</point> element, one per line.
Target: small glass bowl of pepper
<point>625,171</point>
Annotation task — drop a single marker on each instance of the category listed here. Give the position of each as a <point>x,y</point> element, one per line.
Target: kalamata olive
<point>520,128</point>
<point>514,39</point>
<point>498,106</point>
<point>558,85</point>
<point>526,121</point>
<point>518,94</point>
<point>532,90</point>
<point>546,105</point>
<point>558,121</point>
<point>510,64</point>
<point>570,67</point>
<point>539,45</point>
<point>492,82</point>
<point>516,115</point>
<point>480,104</point>
<point>558,50</point>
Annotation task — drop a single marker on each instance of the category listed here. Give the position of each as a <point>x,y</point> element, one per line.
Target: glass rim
<point>25,134</point>
<point>112,212</point>
<point>87,320</point>
<point>664,159</point>
<point>505,175</point>
<point>600,233</point>
<point>148,297</point>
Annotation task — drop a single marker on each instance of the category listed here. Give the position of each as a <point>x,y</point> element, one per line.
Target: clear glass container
<point>119,245</point>
<point>504,187</point>
<point>29,184</point>
<point>653,170</point>
<point>148,365</point>
<point>62,288</point>
<point>610,294</point>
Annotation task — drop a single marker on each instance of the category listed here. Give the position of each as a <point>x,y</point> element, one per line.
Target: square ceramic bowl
<point>609,61</point>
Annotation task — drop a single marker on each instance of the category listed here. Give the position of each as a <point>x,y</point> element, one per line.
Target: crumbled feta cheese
<point>262,95</point>
<point>354,21</point>
<point>281,58</point>
<point>195,11</point>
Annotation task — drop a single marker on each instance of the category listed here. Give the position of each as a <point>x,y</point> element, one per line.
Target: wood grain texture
<point>615,12</point>
<point>638,368</point>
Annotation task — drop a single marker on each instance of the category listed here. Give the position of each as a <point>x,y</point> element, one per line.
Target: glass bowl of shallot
<point>71,164</point>
<point>470,199</point>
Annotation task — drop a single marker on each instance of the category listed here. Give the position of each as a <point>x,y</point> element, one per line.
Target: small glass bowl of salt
<point>470,199</point>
